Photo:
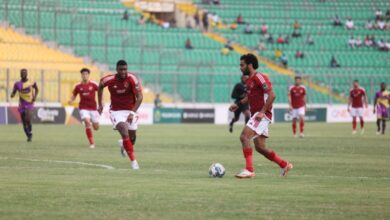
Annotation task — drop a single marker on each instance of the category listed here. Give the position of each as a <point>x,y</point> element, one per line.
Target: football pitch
<point>336,175</point>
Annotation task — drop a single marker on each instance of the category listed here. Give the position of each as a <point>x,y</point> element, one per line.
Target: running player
<point>260,97</point>
<point>126,97</point>
<point>381,107</point>
<point>357,96</point>
<point>297,104</point>
<point>239,94</point>
<point>87,106</point>
<point>28,91</point>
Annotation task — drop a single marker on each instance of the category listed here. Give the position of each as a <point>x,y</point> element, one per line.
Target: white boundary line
<point>62,161</point>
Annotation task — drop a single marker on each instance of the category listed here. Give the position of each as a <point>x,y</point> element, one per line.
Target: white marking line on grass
<point>62,161</point>
<point>333,177</point>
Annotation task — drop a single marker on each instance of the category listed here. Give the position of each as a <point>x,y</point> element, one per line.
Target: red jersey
<point>258,86</point>
<point>297,95</point>
<point>87,92</point>
<point>123,91</point>
<point>357,97</point>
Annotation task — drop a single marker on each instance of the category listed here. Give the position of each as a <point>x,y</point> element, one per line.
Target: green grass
<point>335,176</point>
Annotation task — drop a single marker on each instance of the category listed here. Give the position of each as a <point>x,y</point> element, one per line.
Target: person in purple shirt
<point>28,91</point>
<point>381,106</point>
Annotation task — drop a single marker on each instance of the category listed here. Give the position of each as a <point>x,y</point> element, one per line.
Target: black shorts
<point>241,108</point>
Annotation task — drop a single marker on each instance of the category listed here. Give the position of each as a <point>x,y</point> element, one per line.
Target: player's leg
<point>294,126</point>
<point>246,136</point>
<point>383,126</point>
<point>133,136</point>
<point>247,115</point>
<point>260,146</point>
<point>378,125</point>
<point>28,124</point>
<point>360,114</point>
<point>122,128</point>
<point>353,124</point>
<point>301,125</point>
<point>88,131</point>
<point>24,124</point>
<point>95,120</point>
<point>234,119</point>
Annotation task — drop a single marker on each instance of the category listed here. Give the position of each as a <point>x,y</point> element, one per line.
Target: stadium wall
<point>55,113</point>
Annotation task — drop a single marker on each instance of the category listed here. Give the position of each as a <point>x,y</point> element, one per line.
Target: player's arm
<point>234,92</point>
<point>349,103</point>
<point>267,105</point>
<point>35,94</point>
<point>14,90</point>
<point>365,99</point>
<point>375,101</point>
<point>139,97</point>
<point>289,99</point>
<point>73,96</point>
<point>100,97</point>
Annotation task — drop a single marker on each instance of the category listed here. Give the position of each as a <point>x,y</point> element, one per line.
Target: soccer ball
<point>216,170</point>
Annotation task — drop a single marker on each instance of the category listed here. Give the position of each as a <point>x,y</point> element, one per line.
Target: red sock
<point>248,152</point>
<point>129,148</point>
<point>275,158</point>
<point>301,125</point>
<point>88,131</point>
<point>294,126</point>
<point>354,123</point>
<point>361,123</point>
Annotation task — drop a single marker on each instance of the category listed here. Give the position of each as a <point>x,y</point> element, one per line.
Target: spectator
<point>157,101</point>
<point>380,24</point>
<point>261,46</point>
<point>358,42</point>
<point>280,40</point>
<point>229,44</point>
<point>196,19</point>
<point>205,21</point>
<point>336,21</point>
<point>264,28</point>
<point>165,24</point>
<point>296,34</point>
<point>240,19</point>
<point>248,29</point>
<point>349,24</point>
<point>287,39</point>
<point>284,60</point>
<point>378,13</point>
<point>369,25</point>
<point>173,23</point>
<point>309,40</point>
<point>299,54</point>
<point>367,41</point>
<point>296,25</point>
<point>216,2</point>
<point>352,42</point>
<point>278,53</point>
<point>381,45</point>
<point>188,44</point>
<point>333,62</point>
<point>388,14</point>
<point>188,22</point>
<point>225,51</point>
<point>269,39</point>
<point>233,26</point>
<point>141,20</point>
<point>125,16</point>
<point>215,19</point>
<point>387,45</point>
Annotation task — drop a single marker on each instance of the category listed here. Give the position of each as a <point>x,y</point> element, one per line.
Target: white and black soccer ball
<point>216,170</point>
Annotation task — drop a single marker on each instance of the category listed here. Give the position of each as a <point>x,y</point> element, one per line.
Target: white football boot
<point>134,165</point>
<point>244,173</point>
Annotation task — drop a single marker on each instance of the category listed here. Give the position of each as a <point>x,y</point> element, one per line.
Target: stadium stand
<point>95,29</point>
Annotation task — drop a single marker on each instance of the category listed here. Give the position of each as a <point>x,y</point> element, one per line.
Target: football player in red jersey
<point>87,106</point>
<point>260,97</point>
<point>297,104</point>
<point>357,96</point>
<point>126,97</point>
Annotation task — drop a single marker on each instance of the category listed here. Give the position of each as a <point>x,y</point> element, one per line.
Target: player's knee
<point>244,139</point>
<point>96,127</point>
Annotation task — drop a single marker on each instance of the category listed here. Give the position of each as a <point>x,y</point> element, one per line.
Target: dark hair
<point>356,81</point>
<point>250,59</point>
<point>121,63</point>
<point>298,77</point>
<point>85,70</point>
